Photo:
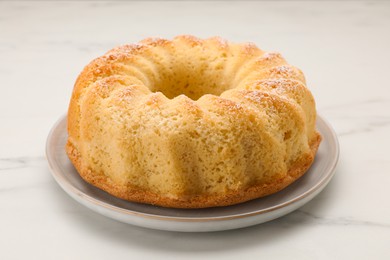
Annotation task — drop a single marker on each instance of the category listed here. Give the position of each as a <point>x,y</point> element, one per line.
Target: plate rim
<point>69,188</point>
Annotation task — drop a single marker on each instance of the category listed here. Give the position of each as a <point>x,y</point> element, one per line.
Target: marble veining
<point>360,117</point>
<point>7,164</point>
<point>342,46</point>
<point>338,221</point>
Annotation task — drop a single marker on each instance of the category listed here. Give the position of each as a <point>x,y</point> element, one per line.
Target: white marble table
<point>343,48</point>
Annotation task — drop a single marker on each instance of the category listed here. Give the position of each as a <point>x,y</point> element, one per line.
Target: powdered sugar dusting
<point>270,56</point>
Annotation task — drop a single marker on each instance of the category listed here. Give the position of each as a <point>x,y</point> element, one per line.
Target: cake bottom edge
<point>104,183</point>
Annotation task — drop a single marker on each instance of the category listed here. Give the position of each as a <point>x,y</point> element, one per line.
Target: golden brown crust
<point>239,98</point>
<point>201,201</point>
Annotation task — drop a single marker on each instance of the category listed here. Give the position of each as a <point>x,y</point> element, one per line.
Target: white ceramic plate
<point>194,220</point>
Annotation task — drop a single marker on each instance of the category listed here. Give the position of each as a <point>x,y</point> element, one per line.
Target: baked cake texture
<point>191,123</point>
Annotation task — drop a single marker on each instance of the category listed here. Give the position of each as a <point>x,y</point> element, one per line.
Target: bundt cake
<point>191,123</point>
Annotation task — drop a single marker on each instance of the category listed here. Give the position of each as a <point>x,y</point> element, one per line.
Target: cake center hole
<point>193,78</point>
